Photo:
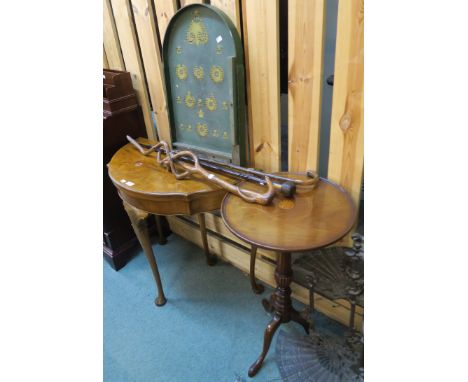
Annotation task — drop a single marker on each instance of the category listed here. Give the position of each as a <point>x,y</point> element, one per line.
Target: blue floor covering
<point>211,328</point>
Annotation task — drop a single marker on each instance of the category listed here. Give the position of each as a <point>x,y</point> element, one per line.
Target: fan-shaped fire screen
<point>204,72</point>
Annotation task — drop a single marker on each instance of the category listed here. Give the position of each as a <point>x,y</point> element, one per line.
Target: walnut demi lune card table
<point>311,219</point>
<point>146,187</point>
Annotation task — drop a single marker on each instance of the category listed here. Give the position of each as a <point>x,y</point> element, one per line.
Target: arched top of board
<point>204,73</point>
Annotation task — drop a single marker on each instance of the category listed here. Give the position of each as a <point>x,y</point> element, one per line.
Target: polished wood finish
<point>311,219</point>
<point>280,304</point>
<point>138,220</point>
<point>147,187</point>
<point>156,190</point>
<point>192,165</point>
<point>257,288</point>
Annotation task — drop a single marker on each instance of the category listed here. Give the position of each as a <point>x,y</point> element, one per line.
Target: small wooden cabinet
<point>118,235</point>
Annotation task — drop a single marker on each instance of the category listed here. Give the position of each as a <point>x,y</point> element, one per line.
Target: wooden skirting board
<point>236,252</point>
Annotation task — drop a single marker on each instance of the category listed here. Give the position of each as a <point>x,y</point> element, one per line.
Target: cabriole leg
<point>268,336</point>
<point>138,220</point>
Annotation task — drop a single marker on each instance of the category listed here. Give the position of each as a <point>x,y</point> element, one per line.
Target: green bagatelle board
<point>204,72</point>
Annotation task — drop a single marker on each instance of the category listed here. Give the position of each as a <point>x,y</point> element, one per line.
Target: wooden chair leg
<point>210,259</point>
<point>257,288</point>
<point>138,220</point>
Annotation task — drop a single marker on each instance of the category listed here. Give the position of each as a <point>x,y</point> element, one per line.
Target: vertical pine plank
<point>346,158</point>
<point>183,3</point>
<point>111,39</point>
<point>105,63</point>
<point>131,54</point>
<point>231,8</point>
<point>147,35</point>
<point>165,9</point>
<point>305,57</point>
<point>261,45</point>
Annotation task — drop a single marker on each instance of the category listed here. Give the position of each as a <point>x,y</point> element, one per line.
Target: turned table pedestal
<point>310,220</point>
<point>146,187</point>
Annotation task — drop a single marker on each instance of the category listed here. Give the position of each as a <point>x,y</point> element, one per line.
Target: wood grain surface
<point>165,9</point>
<point>146,185</point>
<point>261,47</point>
<point>147,35</point>
<point>309,220</point>
<point>305,57</point>
<point>111,39</point>
<point>346,157</point>
<point>105,62</point>
<point>130,50</point>
<point>232,9</point>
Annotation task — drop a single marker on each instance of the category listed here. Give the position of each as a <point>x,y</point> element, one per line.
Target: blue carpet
<point>211,328</point>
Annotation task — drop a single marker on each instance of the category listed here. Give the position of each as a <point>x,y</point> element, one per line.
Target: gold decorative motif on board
<point>202,129</point>
<point>196,33</point>
<point>201,114</point>
<point>190,100</point>
<point>181,72</point>
<point>198,72</point>
<point>217,74</point>
<point>211,103</point>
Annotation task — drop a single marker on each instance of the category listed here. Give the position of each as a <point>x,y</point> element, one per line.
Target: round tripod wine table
<point>310,220</point>
<point>148,188</point>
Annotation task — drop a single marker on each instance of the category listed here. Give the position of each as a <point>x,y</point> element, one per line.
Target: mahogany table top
<point>146,185</point>
<point>311,219</point>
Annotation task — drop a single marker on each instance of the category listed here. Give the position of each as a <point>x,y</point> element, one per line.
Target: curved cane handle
<point>196,168</point>
<point>247,195</point>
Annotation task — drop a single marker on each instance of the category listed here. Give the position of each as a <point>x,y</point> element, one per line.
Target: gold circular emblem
<point>198,72</point>
<point>202,129</point>
<point>286,204</point>
<point>216,74</point>
<point>211,103</point>
<point>181,71</point>
<point>190,100</point>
